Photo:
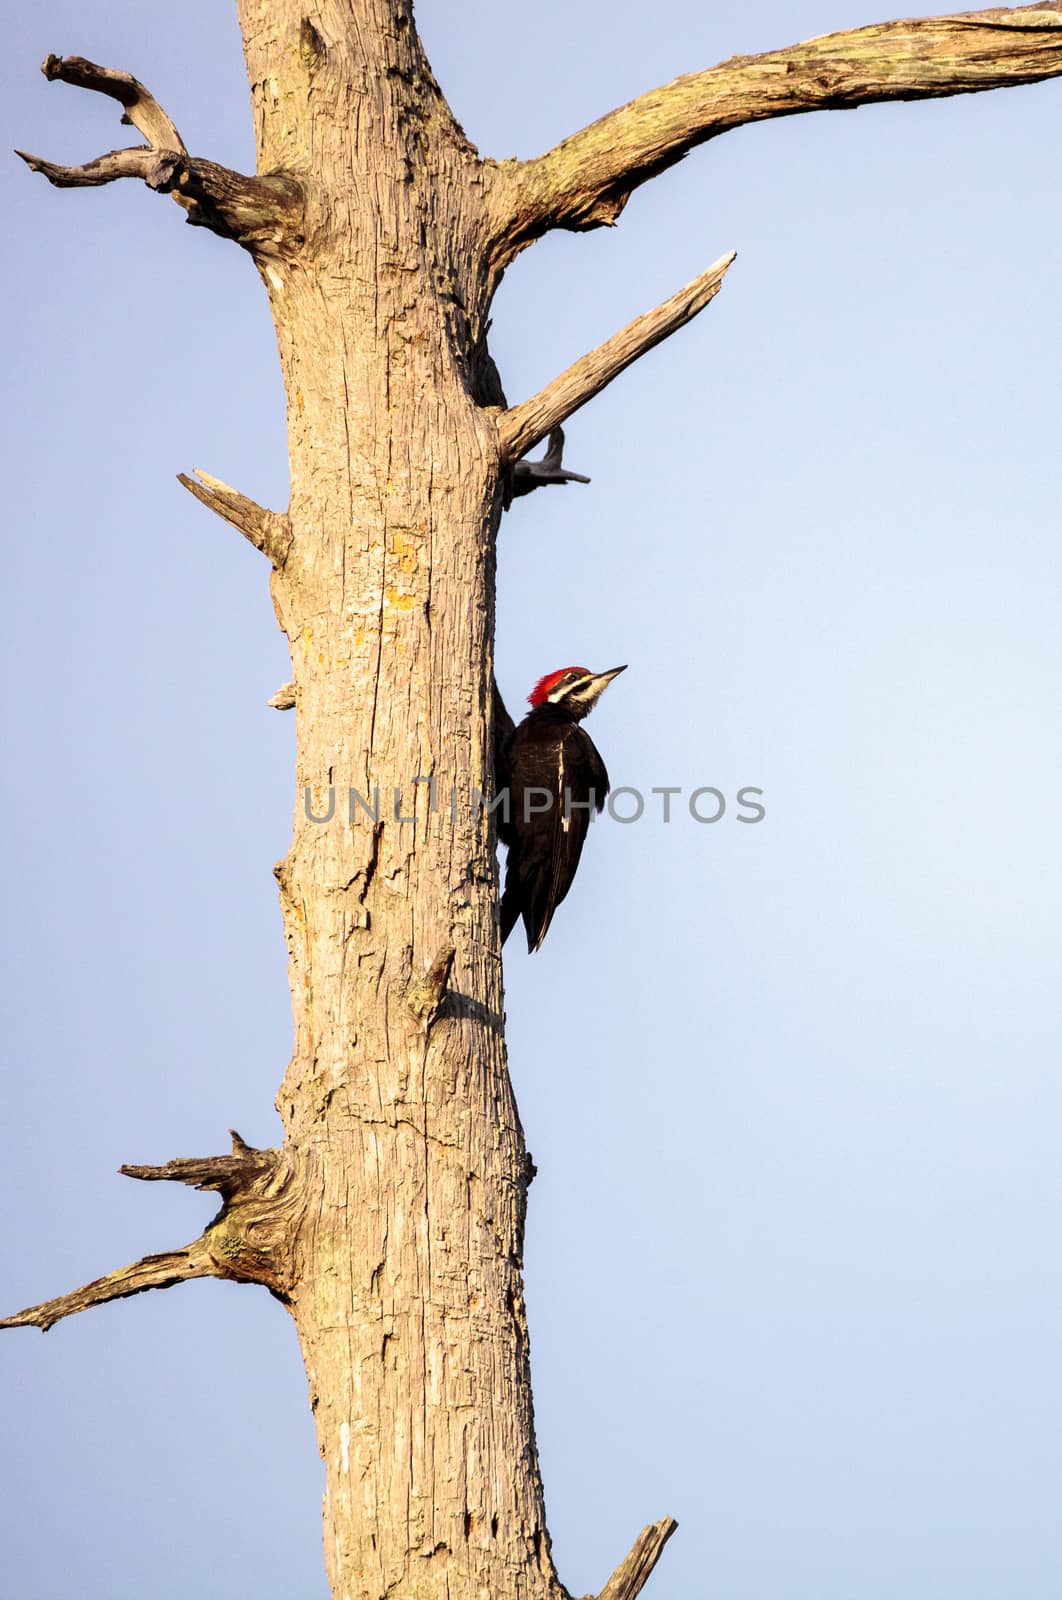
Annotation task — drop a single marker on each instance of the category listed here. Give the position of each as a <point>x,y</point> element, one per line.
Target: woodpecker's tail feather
<point>509,910</point>
<point>519,900</point>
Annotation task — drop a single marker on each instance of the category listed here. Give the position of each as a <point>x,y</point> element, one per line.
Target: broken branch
<point>284,699</point>
<point>585,181</point>
<point>260,213</point>
<point>151,1272</point>
<point>528,475</point>
<point>227,1175</point>
<point>630,1576</point>
<point>524,425</point>
<point>142,110</point>
<point>155,167</point>
<point>268,531</point>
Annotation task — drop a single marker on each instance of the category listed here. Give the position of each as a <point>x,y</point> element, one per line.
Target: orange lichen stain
<point>406,553</point>
<point>307,638</point>
<point>359,639</point>
<point>317,800</point>
<point>401,602</point>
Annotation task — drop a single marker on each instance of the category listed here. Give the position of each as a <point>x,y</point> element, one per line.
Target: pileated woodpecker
<point>554,777</point>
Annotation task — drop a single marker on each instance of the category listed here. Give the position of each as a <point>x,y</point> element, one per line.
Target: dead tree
<point>390,1221</point>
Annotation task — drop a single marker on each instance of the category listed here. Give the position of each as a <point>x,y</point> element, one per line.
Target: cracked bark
<point>391,1220</point>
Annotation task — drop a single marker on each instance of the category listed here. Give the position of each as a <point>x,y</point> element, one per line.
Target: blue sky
<point>792,1089</point>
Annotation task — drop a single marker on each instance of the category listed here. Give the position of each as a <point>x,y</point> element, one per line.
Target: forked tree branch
<point>585,181</point>
<point>268,531</point>
<point>262,214</point>
<point>630,1576</point>
<point>245,1242</point>
<point>521,427</point>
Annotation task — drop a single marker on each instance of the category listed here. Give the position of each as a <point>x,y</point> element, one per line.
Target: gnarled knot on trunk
<point>426,996</point>
<point>250,1238</point>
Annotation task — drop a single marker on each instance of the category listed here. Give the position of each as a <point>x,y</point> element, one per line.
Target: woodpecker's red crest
<point>544,687</point>
<point>573,689</point>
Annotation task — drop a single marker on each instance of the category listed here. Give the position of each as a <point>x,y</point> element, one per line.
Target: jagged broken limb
<point>246,1241</point>
<point>633,1571</point>
<point>528,475</point>
<point>284,699</point>
<point>269,531</point>
<point>521,427</point>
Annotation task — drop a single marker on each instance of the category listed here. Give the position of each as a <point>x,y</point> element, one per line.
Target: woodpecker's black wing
<point>504,728</point>
<point>557,777</point>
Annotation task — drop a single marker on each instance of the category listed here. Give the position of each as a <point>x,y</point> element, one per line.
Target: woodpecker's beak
<point>603,679</point>
<point>596,686</point>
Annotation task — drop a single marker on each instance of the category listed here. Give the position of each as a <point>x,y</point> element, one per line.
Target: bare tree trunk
<point>405,1278</point>
<point>391,1221</point>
